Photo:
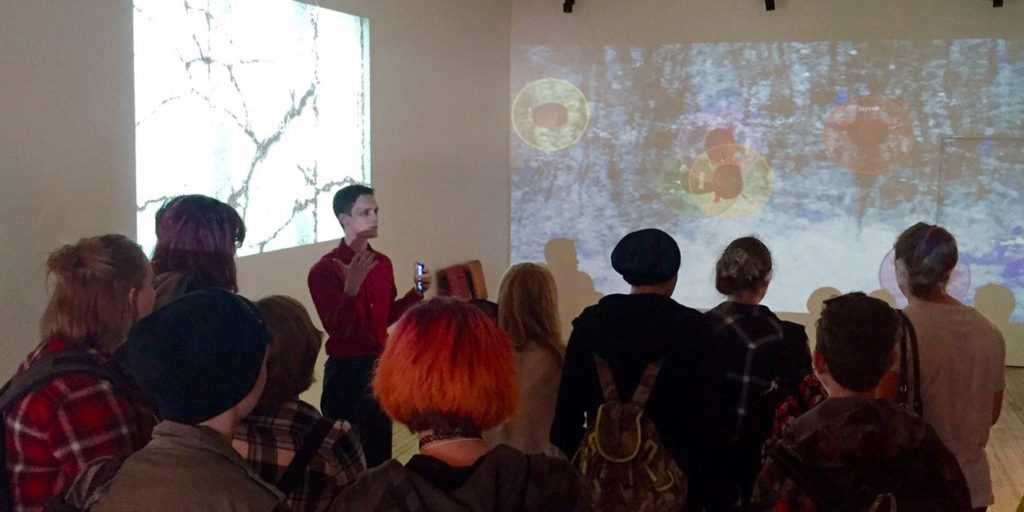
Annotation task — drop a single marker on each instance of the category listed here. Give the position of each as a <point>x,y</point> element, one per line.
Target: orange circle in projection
<point>730,181</point>
<point>550,114</point>
<point>869,135</point>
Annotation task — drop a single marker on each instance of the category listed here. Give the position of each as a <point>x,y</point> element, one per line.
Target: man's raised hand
<point>356,271</point>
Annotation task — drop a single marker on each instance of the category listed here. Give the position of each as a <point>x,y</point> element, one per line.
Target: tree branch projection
<point>219,73</point>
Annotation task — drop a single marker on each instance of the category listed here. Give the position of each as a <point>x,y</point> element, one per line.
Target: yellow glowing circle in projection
<point>730,181</point>
<point>550,114</point>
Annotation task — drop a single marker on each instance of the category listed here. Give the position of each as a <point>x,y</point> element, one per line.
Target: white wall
<point>439,92</point>
<point>440,101</point>
<point>695,21</point>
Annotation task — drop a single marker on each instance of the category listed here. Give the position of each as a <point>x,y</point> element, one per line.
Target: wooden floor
<point>1005,447</point>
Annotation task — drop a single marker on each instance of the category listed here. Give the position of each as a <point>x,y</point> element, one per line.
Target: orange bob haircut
<point>447,366</point>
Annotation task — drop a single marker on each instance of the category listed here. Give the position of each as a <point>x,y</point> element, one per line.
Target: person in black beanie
<point>201,360</point>
<point>629,332</point>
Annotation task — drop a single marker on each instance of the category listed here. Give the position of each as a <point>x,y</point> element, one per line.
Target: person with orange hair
<point>448,373</point>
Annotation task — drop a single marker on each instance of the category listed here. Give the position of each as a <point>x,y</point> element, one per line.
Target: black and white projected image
<point>263,104</point>
<point>825,150</point>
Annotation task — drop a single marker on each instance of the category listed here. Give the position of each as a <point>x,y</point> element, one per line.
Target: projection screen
<point>825,150</point>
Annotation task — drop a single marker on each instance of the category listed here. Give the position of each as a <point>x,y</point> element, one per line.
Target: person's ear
<point>819,363</point>
<point>133,302</point>
<point>902,277</point>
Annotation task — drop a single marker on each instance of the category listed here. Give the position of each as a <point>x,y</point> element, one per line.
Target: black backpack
<point>41,371</point>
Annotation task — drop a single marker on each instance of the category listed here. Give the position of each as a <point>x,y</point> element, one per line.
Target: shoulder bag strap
<point>910,370</point>
<point>292,475</point>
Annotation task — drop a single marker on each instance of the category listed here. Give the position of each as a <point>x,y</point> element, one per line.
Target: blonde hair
<point>528,308</point>
<point>91,281</point>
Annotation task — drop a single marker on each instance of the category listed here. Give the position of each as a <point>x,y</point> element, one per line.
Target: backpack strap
<point>51,366</point>
<point>604,374</point>
<point>39,372</point>
<point>646,384</point>
<point>290,479</point>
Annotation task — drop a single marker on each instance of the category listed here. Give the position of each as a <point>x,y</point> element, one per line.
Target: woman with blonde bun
<point>100,287</point>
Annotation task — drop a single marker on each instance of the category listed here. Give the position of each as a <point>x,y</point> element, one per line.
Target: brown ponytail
<point>744,265</point>
<point>90,281</point>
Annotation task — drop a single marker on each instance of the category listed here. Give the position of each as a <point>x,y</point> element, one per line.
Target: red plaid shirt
<point>54,431</point>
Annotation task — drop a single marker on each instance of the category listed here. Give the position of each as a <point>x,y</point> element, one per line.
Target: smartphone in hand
<point>420,269</point>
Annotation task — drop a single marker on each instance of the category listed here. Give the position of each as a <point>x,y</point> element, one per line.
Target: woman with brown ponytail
<point>100,287</point>
<point>756,359</point>
<point>962,354</point>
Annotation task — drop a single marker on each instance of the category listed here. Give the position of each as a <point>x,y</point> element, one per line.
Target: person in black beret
<point>630,331</point>
<point>647,257</point>
<point>201,360</point>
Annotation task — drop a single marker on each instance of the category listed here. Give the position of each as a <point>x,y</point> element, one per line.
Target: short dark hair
<point>196,233</point>
<point>857,334</point>
<point>929,254</point>
<point>745,264</point>
<point>347,196</point>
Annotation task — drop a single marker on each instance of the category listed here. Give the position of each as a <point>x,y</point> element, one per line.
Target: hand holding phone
<point>421,270</point>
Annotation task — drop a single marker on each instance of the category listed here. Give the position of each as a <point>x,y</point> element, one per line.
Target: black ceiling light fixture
<point>997,3</point>
<point>567,5</point>
<point>769,5</point>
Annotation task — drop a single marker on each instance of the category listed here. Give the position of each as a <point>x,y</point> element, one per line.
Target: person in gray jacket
<point>201,360</point>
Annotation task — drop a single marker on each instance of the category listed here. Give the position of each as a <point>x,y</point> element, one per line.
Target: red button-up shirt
<point>55,430</point>
<point>356,326</point>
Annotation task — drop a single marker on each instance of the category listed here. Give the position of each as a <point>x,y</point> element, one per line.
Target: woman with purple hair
<point>196,241</point>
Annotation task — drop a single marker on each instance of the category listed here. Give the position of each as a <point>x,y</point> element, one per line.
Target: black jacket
<point>505,480</point>
<point>630,331</point>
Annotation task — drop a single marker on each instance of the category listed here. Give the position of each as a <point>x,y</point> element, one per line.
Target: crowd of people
<point>156,386</point>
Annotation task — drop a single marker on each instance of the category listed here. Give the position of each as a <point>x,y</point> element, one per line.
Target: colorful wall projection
<point>825,150</point>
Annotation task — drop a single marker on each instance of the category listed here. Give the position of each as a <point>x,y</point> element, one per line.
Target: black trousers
<point>347,396</point>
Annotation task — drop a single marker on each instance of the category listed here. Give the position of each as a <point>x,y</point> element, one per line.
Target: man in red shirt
<point>353,288</point>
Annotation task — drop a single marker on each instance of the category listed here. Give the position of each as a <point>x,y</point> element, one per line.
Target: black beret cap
<point>199,355</point>
<point>646,257</point>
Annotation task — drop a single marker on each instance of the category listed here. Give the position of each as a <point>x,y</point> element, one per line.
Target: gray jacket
<point>186,468</point>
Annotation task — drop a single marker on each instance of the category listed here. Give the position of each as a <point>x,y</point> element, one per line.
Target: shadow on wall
<point>997,302</point>
<point>576,291</point>
<point>560,255</point>
<point>814,305</point>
